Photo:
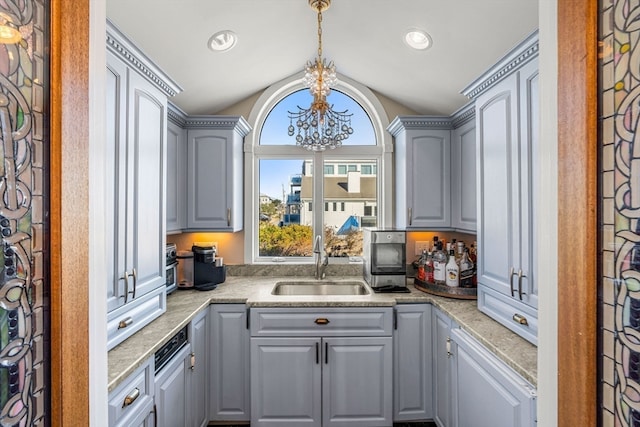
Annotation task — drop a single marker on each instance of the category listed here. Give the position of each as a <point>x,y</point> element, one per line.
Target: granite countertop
<point>255,291</point>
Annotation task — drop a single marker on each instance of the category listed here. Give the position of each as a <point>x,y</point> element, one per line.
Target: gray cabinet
<point>172,391</point>
<point>199,369</point>
<point>463,177</point>
<point>131,403</point>
<point>215,173</point>
<point>308,366</point>
<point>230,393</point>
<point>135,156</point>
<point>412,363</point>
<point>442,369</point>
<point>176,176</point>
<point>182,385</point>
<point>507,120</point>
<point>422,154</point>
<point>468,379</point>
<point>482,381</point>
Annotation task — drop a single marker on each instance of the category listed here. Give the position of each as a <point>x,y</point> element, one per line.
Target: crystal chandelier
<point>320,127</point>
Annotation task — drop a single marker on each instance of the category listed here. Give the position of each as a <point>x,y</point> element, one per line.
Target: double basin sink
<point>323,287</point>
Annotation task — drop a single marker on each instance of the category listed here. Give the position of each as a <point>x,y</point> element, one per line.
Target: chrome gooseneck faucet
<point>321,264</point>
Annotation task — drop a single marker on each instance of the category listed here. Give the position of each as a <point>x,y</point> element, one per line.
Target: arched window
<point>294,195</point>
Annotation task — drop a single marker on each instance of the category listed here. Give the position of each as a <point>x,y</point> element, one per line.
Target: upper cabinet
<point>176,172</point>
<point>463,171</point>
<point>507,120</point>
<point>215,172</point>
<point>422,182</point>
<point>435,171</point>
<point>135,157</point>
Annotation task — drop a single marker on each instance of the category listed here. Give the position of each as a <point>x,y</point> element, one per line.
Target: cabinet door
<point>463,177</point>
<point>146,164</point>
<point>115,184</point>
<point>482,381</point>
<point>214,183</point>
<point>230,363</point>
<point>200,372</point>
<point>412,363</point>
<point>442,362</point>
<point>172,391</point>
<point>498,220</point>
<point>428,179</point>
<point>176,178</point>
<point>357,382</point>
<point>527,288</point>
<point>286,382</point>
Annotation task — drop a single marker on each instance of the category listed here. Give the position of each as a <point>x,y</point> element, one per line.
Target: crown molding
<point>123,48</point>
<point>464,115</point>
<point>237,123</point>
<point>176,115</point>
<point>520,55</point>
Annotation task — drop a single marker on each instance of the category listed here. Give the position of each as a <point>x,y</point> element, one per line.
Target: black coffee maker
<point>206,275</point>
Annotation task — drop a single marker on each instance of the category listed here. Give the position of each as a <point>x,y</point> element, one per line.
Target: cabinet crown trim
<point>124,49</point>
<point>524,52</point>
<point>237,123</point>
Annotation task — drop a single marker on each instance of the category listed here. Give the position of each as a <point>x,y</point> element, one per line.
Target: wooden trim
<point>69,184</point>
<point>577,212</point>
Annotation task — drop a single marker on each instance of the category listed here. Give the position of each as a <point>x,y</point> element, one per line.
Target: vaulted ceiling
<point>363,37</point>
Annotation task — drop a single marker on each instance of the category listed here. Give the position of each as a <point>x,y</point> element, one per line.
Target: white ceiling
<point>362,37</point>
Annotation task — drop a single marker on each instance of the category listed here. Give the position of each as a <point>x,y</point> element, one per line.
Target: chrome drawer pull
<point>131,397</point>
<point>321,321</point>
<point>125,322</point>
<point>519,318</point>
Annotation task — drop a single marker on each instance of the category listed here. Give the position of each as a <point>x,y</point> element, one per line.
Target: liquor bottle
<point>421,274</point>
<point>452,271</point>
<point>466,270</point>
<point>428,268</point>
<point>460,251</point>
<point>439,265</point>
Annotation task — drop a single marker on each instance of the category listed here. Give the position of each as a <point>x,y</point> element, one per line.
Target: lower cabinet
<point>230,398</point>
<point>442,369</point>
<point>317,377</point>
<point>131,402</point>
<point>181,386</point>
<point>481,381</point>
<point>412,361</point>
<point>468,379</point>
<point>172,391</point>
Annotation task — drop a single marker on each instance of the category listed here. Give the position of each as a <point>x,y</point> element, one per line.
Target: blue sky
<point>275,173</point>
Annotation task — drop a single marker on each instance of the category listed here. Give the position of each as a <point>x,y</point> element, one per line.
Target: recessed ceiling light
<point>223,41</point>
<point>417,39</point>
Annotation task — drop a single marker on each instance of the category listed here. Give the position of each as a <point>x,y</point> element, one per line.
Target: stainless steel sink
<point>320,288</point>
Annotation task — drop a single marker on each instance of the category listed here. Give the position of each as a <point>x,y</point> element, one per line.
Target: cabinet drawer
<point>292,322</point>
<point>135,315</point>
<point>509,312</point>
<point>132,401</point>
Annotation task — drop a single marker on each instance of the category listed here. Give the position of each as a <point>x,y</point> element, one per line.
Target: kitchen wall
<point>619,287</point>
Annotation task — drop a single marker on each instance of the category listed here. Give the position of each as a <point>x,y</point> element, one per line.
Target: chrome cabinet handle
<point>126,286</point>
<point>448,346</point>
<point>520,276</point>
<point>193,361</point>
<point>131,397</point>
<point>326,353</point>
<point>228,217</point>
<point>317,353</point>
<point>135,282</point>
<point>511,273</point>
<point>125,322</point>
<point>410,216</point>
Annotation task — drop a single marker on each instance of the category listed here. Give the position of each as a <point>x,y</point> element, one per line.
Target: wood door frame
<point>577,212</point>
<point>69,212</point>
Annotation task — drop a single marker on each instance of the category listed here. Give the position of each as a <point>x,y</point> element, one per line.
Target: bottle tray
<point>446,291</point>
